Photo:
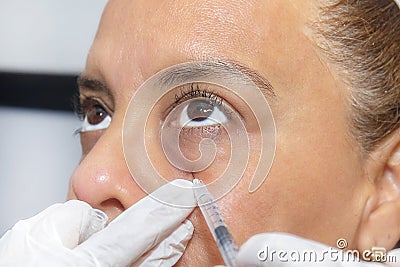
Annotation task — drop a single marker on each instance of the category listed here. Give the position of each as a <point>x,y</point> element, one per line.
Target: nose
<point>102,178</point>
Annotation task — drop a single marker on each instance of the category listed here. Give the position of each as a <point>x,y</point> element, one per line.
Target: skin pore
<point>319,186</point>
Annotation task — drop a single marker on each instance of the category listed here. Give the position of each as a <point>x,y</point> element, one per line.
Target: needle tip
<point>197,181</point>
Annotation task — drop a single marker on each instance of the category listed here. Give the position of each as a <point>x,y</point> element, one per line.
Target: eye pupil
<point>199,110</point>
<point>96,115</point>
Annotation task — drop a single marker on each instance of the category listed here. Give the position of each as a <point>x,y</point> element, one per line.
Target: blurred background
<point>43,47</point>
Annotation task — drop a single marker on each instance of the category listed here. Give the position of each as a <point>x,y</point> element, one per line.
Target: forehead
<point>144,36</point>
<point>202,25</point>
<point>177,19</point>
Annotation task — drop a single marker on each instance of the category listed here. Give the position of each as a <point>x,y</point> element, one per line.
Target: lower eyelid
<point>192,133</point>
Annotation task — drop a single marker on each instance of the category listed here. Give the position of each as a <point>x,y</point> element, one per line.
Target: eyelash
<point>187,92</point>
<point>80,106</point>
<point>77,106</point>
<point>192,91</point>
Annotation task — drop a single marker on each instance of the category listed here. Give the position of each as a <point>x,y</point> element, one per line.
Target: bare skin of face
<point>318,186</point>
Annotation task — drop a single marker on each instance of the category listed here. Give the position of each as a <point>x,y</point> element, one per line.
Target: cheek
<point>214,153</point>
<point>314,188</point>
<point>316,201</point>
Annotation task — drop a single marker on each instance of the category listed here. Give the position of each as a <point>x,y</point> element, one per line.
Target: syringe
<point>215,222</point>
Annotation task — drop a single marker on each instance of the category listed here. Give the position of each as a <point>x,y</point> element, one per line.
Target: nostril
<point>112,207</point>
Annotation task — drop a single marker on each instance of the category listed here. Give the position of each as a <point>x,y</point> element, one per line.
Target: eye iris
<point>199,110</point>
<point>96,115</point>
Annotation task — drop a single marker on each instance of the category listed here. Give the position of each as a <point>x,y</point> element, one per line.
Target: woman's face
<point>315,188</point>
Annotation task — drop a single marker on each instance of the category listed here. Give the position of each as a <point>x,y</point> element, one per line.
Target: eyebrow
<point>224,67</point>
<point>92,84</point>
<point>263,83</point>
<point>193,72</point>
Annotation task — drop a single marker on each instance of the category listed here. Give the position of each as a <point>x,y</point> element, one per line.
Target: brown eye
<point>95,117</point>
<point>199,110</point>
<point>96,114</point>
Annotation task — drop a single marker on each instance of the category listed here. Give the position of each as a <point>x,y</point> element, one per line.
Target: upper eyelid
<point>93,84</point>
<point>91,87</point>
<point>211,89</point>
<point>96,88</point>
<point>195,91</point>
<point>99,102</point>
<point>184,94</point>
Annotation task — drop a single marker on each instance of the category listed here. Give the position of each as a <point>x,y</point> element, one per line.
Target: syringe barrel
<point>211,212</point>
<point>226,245</point>
<point>216,224</point>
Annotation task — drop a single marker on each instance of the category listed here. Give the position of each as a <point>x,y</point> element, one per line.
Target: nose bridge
<point>102,179</point>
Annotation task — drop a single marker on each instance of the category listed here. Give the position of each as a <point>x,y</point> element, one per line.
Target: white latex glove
<point>272,244</point>
<point>51,238</point>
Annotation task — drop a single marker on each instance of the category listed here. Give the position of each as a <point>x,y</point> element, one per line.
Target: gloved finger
<point>45,237</point>
<point>170,250</point>
<point>60,223</point>
<point>24,226</point>
<point>140,227</point>
<point>284,250</point>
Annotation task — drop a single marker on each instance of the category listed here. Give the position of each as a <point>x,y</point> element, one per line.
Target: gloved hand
<point>285,250</point>
<point>51,238</point>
